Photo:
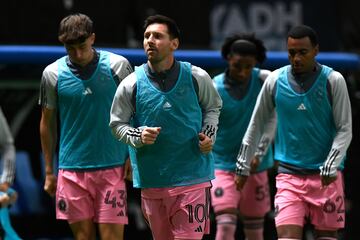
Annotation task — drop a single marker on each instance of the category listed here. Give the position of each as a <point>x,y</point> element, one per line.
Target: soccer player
<point>314,130</point>
<point>8,195</point>
<point>167,111</point>
<point>238,87</point>
<point>79,88</point>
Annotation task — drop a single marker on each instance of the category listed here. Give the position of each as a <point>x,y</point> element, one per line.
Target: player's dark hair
<point>75,28</point>
<point>302,31</point>
<point>173,29</point>
<point>244,44</point>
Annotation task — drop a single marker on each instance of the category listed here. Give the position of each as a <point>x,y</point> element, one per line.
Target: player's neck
<point>163,65</point>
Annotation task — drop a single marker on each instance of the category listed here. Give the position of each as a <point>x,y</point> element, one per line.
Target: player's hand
<point>4,186</point>
<point>205,143</point>
<point>4,199</point>
<point>149,135</point>
<point>255,162</point>
<point>240,182</point>
<point>50,184</point>
<point>325,180</point>
<point>128,170</point>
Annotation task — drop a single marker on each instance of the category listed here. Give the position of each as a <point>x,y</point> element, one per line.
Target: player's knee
<point>226,226</point>
<point>326,234</point>
<point>289,231</point>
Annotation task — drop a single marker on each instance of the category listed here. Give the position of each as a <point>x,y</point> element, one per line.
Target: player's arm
<point>48,137</point>
<point>263,111</point>
<point>210,103</point>
<point>268,135</point>
<point>343,122</point>
<point>7,149</point>
<point>209,100</point>
<point>265,142</point>
<point>120,67</point>
<point>48,124</point>
<point>121,112</point>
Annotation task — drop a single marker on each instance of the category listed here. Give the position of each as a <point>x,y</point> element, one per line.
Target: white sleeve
<point>48,94</point>
<point>209,100</point>
<point>120,65</point>
<point>7,150</point>
<point>343,122</point>
<point>270,128</point>
<point>262,114</point>
<point>121,112</point>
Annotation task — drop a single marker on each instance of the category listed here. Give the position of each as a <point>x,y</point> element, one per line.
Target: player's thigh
<point>84,229</point>
<point>289,231</point>
<point>157,217</point>
<point>111,196</point>
<point>190,214</point>
<point>290,208</point>
<point>111,231</point>
<point>255,197</point>
<point>73,200</point>
<point>224,195</point>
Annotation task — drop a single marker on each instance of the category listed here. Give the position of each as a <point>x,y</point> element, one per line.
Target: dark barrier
<point>23,54</point>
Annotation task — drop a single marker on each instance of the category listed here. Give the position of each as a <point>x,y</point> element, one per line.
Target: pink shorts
<point>300,198</point>
<point>98,195</point>
<point>184,216</point>
<point>252,201</point>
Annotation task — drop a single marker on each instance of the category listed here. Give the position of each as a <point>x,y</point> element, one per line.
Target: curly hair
<point>228,48</point>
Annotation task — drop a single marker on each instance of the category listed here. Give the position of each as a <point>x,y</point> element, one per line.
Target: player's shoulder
<point>263,74</point>
<point>199,73</point>
<point>335,76</point>
<point>117,58</point>
<point>274,75</point>
<point>51,70</point>
<point>129,81</point>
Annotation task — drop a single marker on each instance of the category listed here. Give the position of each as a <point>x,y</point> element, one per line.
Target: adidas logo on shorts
<point>198,229</point>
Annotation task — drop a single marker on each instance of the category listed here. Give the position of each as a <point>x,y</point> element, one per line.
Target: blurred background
<point>118,24</point>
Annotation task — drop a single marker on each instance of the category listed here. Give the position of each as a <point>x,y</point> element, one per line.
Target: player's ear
<point>174,43</point>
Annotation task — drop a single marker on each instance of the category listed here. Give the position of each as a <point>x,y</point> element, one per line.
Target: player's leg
<point>74,204</point>
<point>290,209</point>
<point>326,234</point>
<point>110,204</point>
<point>111,231</point>
<point>189,214</point>
<point>288,231</point>
<point>83,230</point>
<point>328,214</point>
<point>254,204</point>
<point>157,217</point>
<point>225,200</point>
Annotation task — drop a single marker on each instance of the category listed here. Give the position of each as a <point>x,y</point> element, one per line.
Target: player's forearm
<point>127,134</point>
<point>267,138</point>
<point>8,158</point>
<point>48,137</point>
<point>210,124</point>
<point>245,155</point>
<point>338,151</point>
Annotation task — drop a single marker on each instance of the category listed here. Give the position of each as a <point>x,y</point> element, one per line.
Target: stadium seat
<point>28,188</point>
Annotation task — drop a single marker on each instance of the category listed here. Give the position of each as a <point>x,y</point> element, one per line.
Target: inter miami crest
<point>219,192</point>
<point>62,205</point>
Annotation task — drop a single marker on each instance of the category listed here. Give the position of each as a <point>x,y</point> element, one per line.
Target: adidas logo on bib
<point>87,91</point>
<point>301,107</point>
<point>167,106</point>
